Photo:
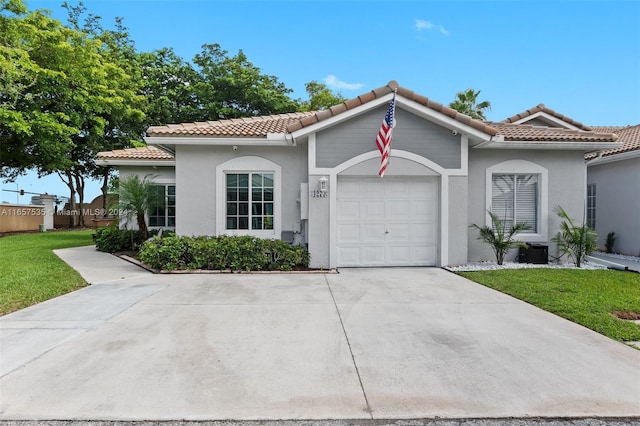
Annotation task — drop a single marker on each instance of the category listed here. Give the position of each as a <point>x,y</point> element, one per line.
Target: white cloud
<point>422,25</point>
<point>333,82</point>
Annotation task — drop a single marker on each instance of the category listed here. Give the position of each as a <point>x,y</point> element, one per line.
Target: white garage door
<point>387,222</point>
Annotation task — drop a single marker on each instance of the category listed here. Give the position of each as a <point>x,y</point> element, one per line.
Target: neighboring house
<point>613,189</point>
<point>312,178</point>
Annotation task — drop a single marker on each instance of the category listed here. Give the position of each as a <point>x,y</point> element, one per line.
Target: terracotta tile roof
<point>629,136</point>
<point>529,133</point>
<point>385,90</point>
<point>542,108</point>
<point>142,153</point>
<point>235,127</point>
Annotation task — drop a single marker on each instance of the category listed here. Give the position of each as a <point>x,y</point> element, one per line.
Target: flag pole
<point>393,124</point>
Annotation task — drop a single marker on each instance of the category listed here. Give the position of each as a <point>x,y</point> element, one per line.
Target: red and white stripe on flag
<point>383,140</point>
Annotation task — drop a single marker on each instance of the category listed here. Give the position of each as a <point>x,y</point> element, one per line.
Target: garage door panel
<point>372,232</point>
<point>349,210</point>
<point>372,209</point>
<point>349,233</point>
<point>395,224</point>
<point>374,255</point>
<point>399,232</point>
<point>398,208</point>
<point>349,256</point>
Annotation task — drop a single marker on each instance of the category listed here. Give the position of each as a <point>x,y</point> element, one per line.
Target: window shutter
<point>502,198</point>
<point>527,201</point>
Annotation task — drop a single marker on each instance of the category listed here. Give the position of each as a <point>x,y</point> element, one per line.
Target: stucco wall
<point>196,183</point>
<point>414,134</point>
<point>164,175</point>
<point>618,203</point>
<point>566,188</point>
<point>458,220</point>
<point>20,217</point>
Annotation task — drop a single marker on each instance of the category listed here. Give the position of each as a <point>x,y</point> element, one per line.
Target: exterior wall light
<point>323,188</point>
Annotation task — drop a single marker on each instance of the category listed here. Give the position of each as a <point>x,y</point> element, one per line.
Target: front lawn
<point>30,272</point>
<point>587,297</point>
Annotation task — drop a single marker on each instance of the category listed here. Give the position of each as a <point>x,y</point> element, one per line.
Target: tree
<point>232,87</point>
<point>499,237</point>
<point>168,83</point>
<point>576,241</point>
<point>72,95</point>
<point>467,103</point>
<point>320,97</point>
<point>136,197</point>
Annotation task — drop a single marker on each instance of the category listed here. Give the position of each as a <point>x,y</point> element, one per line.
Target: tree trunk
<point>105,190</point>
<point>142,226</point>
<point>80,189</point>
<point>72,197</point>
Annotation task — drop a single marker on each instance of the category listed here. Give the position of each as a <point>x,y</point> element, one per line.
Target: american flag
<point>383,140</point>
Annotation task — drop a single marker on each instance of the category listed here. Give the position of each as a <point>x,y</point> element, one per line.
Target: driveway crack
<point>353,358</point>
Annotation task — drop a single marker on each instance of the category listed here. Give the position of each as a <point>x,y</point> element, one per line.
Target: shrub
<point>610,242</point>
<point>112,239</point>
<point>576,241</point>
<point>238,253</point>
<point>499,237</point>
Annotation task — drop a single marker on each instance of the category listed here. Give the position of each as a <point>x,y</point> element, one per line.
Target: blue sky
<point>581,59</point>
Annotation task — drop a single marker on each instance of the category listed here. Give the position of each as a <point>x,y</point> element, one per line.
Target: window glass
<point>163,211</point>
<point>515,199</point>
<point>249,203</point>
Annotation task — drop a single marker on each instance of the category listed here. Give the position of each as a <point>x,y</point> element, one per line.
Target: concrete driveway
<point>362,344</point>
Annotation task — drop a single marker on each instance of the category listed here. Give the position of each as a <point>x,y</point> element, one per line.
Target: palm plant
<point>136,197</point>
<point>576,241</point>
<point>467,103</point>
<point>499,237</point>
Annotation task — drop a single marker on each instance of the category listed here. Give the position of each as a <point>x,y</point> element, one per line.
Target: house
<point>312,178</point>
<point>613,178</point>
<point>613,190</point>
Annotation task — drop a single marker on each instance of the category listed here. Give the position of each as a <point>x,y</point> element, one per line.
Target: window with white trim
<point>591,206</point>
<point>514,199</point>
<point>163,213</point>
<point>250,201</point>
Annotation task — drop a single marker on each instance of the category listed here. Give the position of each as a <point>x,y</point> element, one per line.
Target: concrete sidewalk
<point>98,267</point>
<point>393,343</point>
<point>609,261</point>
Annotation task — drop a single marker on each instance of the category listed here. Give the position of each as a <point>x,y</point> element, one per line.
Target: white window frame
<point>166,207</point>
<point>592,206</point>
<point>522,167</point>
<point>248,164</point>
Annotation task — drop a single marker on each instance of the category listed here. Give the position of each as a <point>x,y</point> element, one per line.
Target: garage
<point>387,222</point>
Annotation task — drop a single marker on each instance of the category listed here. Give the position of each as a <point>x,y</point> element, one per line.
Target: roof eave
<point>549,145</point>
<point>134,162</point>
<point>408,104</point>
<point>277,139</point>
<point>610,158</point>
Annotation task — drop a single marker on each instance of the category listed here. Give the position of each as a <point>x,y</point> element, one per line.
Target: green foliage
<point>466,102</point>
<point>236,253</point>
<point>135,198</point>
<point>32,273</point>
<point>610,242</point>
<point>499,237</point>
<point>576,241</point>
<point>112,239</point>
<point>320,97</point>
<point>587,297</point>
<point>232,87</point>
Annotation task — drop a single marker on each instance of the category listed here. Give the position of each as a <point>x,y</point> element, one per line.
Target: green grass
<point>586,297</point>
<point>30,272</point>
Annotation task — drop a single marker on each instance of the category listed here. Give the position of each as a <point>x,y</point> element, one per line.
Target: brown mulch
<point>626,315</point>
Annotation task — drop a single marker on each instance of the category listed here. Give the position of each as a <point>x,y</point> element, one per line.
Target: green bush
<point>237,253</point>
<point>112,239</point>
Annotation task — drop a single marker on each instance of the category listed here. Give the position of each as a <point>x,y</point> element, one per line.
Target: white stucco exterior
<point>617,184</point>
